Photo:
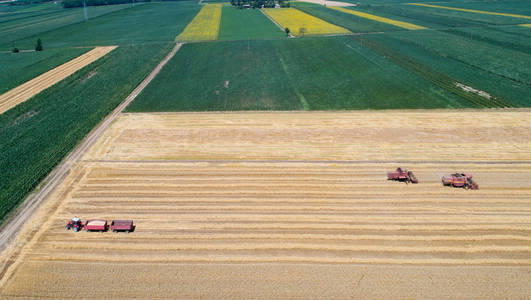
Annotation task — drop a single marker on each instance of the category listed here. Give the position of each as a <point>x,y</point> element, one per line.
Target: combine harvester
<point>460,180</point>
<point>402,175</point>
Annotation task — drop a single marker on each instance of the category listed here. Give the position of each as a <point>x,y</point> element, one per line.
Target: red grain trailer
<point>96,225</point>
<point>122,225</point>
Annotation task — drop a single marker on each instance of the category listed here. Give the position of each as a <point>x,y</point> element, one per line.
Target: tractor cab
<point>74,224</point>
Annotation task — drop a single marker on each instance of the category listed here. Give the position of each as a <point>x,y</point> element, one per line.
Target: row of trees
<point>259,3</point>
<point>38,47</point>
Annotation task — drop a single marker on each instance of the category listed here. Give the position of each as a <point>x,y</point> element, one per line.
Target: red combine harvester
<point>402,175</point>
<point>75,224</point>
<point>122,225</point>
<point>460,180</point>
<point>96,225</point>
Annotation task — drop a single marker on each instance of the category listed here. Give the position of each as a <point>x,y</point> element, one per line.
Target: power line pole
<point>85,9</point>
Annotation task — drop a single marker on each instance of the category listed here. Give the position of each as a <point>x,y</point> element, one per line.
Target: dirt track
<point>31,88</point>
<point>252,228</point>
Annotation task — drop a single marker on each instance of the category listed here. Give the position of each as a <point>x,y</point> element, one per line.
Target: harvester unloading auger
<point>402,175</point>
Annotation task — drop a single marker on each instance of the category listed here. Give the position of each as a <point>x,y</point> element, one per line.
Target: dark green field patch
<point>18,68</point>
<point>243,24</point>
<point>146,23</point>
<point>312,73</point>
<point>22,29</point>
<point>504,62</point>
<point>241,75</point>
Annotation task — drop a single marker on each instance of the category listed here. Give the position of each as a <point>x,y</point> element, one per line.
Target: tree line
<point>259,3</point>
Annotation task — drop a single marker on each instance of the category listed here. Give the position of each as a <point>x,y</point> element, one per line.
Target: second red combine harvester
<point>402,175</point>
<point>460,180</point>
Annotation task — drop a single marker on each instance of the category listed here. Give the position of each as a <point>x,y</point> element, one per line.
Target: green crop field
<point>22,29</point>
<point>38,133</point>
<point>351,22</point>
<point>152,22</point>
<point>312,73</point>
<point>243,24</point>
<point>241,75</point>
<point>499,60</point>
<point>18,68</point>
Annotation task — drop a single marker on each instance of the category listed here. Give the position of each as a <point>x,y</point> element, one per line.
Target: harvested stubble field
<point>271,205</point>
<point>31,88</point>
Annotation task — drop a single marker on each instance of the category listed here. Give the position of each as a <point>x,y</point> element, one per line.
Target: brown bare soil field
<point>288,205</point>
<point>31,88</point>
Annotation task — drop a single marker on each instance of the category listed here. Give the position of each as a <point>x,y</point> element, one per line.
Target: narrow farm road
<point>12,226</point>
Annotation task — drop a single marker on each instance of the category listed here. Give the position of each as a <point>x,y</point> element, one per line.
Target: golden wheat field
<point>288,205</point>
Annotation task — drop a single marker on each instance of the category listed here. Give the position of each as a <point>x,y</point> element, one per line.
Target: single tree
<point>15,50</point>
<point>38,47</point>
<point>287,31</point>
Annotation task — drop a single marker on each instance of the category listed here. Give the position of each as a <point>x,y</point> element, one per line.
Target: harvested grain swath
<point>296,20</point>
<point>472,10</point>
<point>353,136</point>
<point>401,24</point>
<point>27,90</point>
<point>286,193</point>
<point>205,25</point>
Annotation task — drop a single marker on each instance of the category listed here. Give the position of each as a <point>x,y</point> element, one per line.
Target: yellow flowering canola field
<point>472,10</point>
<point>205,25</point>
<point>295,20</point>
<point>401,24</point>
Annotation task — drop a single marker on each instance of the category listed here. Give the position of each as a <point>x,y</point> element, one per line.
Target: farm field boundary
<point>472,10</point>
<point>205,25</point>
<point>301,23</point>
<point>401,24</point>
<point>27,90</point>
